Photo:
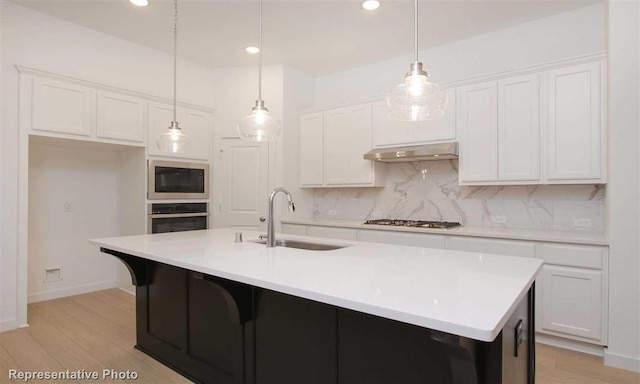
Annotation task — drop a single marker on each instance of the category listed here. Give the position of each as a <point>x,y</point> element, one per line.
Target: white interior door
<point>243,183</point>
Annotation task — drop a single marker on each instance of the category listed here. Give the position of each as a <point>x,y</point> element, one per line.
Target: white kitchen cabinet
<point>519,128</point>
<point>347,137</point>
<point>478,123</point>
<point>572,302</point>
<point>495,246</point>
<point>294,229</point>
<point>500,131</point>
<point>389,132</point>
<point>572,292</point>
<point>332,145</point>
<point>120,116</point>
<point>332,232</point>
<point>61,107</point>
<point>194,123</point>
<point>311,150</point>
<point>575,129</point>
<point>426,240</point>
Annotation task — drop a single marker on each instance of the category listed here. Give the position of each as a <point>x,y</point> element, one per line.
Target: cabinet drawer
<point>332,233</point>
<point>294,229</point>
<point>500,247</point>
<point>573,255</point>
<point>412,239</point>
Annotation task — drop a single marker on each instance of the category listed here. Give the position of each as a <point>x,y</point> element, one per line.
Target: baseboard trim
<point>130,290</point>
<point>7,325</point>
<point>620,361</point>
<point>58,293</point>
<point>572,345</point>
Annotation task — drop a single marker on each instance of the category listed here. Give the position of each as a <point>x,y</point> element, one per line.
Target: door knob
<point>263,219</point>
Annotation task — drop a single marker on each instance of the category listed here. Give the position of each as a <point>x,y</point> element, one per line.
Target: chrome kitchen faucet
<point>271,235</point>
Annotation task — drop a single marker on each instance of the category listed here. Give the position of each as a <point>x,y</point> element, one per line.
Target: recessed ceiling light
<point>139,3</point>
<point>252,50</point>
<point>370,5</point>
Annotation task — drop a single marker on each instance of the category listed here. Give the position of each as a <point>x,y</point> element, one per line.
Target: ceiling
<point>317,37</point>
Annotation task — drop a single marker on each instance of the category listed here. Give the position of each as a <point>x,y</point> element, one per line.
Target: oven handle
<point>177,215</point>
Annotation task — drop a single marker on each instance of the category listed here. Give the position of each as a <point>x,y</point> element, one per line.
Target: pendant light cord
<point>175,55</point>
<point>260,55</point>
<point>415,29</point>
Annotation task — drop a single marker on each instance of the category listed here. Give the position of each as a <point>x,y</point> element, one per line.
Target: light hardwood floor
<point>96,331</point>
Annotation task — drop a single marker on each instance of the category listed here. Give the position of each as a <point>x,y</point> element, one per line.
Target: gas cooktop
<point>414,223</point>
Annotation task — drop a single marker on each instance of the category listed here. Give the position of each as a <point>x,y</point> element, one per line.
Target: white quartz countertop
<point>463,293</point>
<point>588,238</point>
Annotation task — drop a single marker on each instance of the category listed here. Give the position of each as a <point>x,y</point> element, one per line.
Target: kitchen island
<point>219,311</point>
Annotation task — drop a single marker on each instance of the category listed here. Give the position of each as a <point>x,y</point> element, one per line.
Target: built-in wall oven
<point>177,180</point>
<point>177,217</point>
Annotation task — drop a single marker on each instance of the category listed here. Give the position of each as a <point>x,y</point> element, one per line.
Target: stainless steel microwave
<point>177,180</point>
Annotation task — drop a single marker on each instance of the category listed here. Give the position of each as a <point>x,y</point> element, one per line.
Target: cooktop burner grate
<point>414,223</point>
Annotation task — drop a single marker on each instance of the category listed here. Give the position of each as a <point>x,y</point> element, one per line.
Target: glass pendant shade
<point>417,99</point>
<point>259,125</point>
<point>173,140</point>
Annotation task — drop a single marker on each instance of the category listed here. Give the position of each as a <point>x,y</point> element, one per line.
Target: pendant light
<point>173,140</point>
<point>417,98</point>
<point>259,125</point>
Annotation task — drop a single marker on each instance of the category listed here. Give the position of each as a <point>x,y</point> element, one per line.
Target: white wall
<point>565,35</point>
<point>88,180</point>
<point>624,222</point>
<point>40,41</point>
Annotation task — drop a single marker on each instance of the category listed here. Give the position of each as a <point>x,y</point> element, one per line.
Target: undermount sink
<point>309,246</point>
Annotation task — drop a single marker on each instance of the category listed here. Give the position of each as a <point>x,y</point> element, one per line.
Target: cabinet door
<point>574,126</point>
<point>120,117</point>
<point>519,128</point>
<point>440,129</point>
<point>495,246</point>
<point>477,116</point>
<point>387,131</point>
<point>335,146</point>
<point>572,301</point>
<point>197,125</point>
<point>412,239</point>
<point>311,148</point>
<point>61,107</point>
<point>332,232</point>
<point>160,117</point>
<point>295,340</point>
<point>356,144</point>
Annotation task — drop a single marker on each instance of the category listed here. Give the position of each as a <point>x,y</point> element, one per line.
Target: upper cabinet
<point>120,116</point>
<point>575,134</point>
<point>60,107</point>
<point>478,121</point>
<point>332,144</point>
<point>388,132</point>
<point>500,131</point>
<point>542,128</point>
<point>194,123</point>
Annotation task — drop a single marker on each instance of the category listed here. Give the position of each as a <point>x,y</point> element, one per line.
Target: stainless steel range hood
<point>440,151</point>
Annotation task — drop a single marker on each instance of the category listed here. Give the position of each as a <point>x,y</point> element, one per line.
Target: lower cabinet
<point>198,325</point>
<point>214,330</point>
<point>571,293</point>
<point>295,340</point>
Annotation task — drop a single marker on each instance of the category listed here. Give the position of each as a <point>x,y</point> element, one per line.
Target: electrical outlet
<point>499,219</point>
<point>332,212</point>
<point>582,222</point>
<point>68,206</point>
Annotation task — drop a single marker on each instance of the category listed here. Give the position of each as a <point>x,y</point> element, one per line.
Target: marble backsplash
<point>429,191</point>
